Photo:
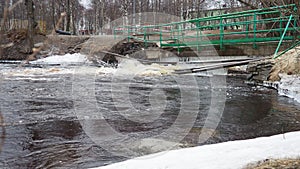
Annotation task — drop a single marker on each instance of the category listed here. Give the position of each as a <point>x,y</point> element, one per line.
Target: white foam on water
<point>130,66</point>
<point>134,67</point>
<point>34,74</point>
<point>125,67</point>
<point>62,59</point>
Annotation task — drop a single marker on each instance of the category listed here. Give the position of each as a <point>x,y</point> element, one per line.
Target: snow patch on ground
<point>233,155</point>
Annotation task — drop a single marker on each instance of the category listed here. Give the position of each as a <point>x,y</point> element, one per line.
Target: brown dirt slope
<point>13,44</point>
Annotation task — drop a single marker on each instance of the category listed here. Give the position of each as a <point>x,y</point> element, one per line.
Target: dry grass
<point>276,164</point>
<point>289,63</point>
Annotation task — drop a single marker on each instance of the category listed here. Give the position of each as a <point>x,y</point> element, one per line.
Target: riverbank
<point>13,45</point>
<point>235,154</point>
<point>282,74</point>
<point>289,64</point>
<point>285,74</point>
<point>289,86</point>
<point>276,163</point>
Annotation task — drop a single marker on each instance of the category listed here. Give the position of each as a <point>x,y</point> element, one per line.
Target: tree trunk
<point>53,14</point>
<point>102,17</point>
<point>74,17</point>
<point>31,25</point>
<point>68,16</point>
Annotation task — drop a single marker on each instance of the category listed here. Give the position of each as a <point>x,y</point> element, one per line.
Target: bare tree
<point>31,25</point>
<point>68,16</point>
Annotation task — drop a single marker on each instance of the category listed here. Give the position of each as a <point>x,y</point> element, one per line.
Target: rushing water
<point>41,127</point>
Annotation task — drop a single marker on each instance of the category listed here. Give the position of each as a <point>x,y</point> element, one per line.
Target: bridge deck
<point>275,24</point>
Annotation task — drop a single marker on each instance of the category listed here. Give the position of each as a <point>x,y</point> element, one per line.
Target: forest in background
<point>78,16</point>
<point>100,12</point>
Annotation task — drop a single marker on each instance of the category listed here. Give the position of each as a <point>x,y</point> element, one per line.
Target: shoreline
<point>288,86</point>
<point>233,154</point>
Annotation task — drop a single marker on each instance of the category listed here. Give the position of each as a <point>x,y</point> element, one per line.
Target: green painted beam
<point>249,24</point>
<point>231,42</point>
<point>282,37</point>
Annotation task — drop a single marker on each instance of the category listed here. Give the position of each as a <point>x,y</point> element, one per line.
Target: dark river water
<point>56,120</point>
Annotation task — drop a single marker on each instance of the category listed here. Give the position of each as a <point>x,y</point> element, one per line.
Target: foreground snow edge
<point>234,154</point>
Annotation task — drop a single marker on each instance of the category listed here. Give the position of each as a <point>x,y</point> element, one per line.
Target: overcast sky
<point>85,3</point>
<point>211,4</point>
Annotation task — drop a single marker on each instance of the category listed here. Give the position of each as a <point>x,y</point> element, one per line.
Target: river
<point>50,115</point>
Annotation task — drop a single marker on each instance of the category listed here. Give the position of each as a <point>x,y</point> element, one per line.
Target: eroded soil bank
<point>13,45</point>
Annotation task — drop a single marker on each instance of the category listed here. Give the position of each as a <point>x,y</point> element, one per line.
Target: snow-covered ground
<point>229,155</point>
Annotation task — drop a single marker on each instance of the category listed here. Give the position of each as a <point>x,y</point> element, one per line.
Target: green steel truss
<point>275,24</point>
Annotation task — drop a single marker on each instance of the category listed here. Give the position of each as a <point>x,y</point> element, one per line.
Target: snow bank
<point>63,59</point>
<point>235,154</point>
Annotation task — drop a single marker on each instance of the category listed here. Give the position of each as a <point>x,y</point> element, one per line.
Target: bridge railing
<point>253,26</point>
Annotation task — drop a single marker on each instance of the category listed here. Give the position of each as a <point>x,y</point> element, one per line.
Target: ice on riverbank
<point>288,86</point>
<point>285,74</point>
<point>234,154</point>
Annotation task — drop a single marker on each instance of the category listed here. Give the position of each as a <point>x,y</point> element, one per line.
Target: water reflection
<point>249,112</point>
<point>2,131</point>
<point>42,130</point>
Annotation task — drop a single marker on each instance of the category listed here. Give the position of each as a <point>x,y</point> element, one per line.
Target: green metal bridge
<point>267,25</point>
